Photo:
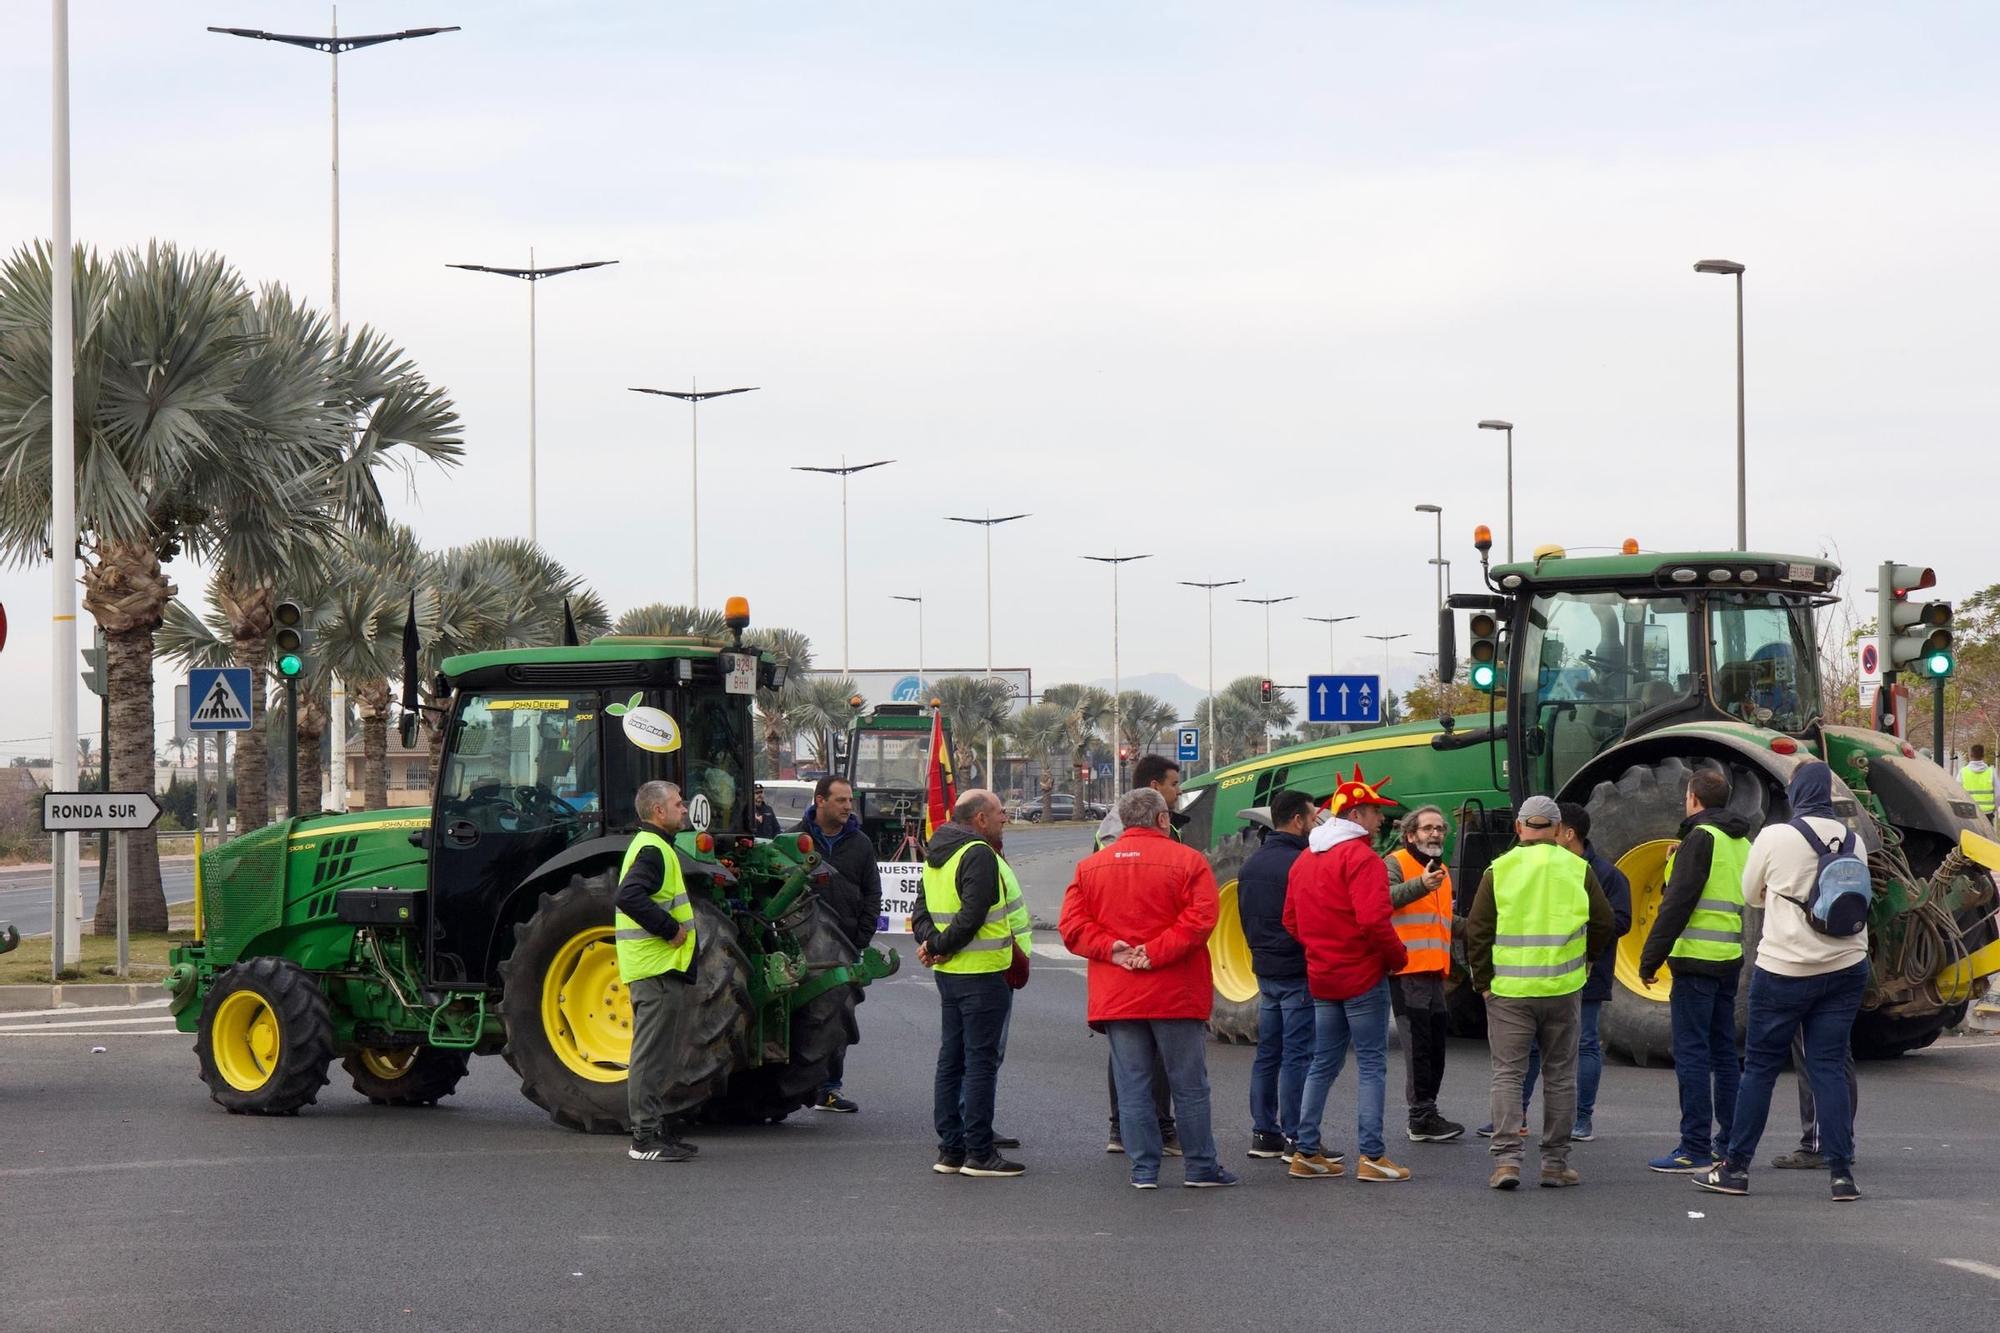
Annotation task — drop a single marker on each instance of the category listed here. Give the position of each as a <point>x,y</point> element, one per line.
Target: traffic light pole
<point>292,746</point>
<point>1937,721</point>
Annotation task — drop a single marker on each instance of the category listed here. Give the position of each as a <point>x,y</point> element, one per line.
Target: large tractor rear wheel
<point>569,1017</point>
<point>820,1029</point>
<point>1635,824</point>
<point>406,1075</point>
<point>266,1038</point>
<point>1234,1018</point>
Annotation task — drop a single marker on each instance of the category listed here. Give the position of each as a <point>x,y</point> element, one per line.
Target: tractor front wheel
<point>1234,1017</point>
<point>406,1075</point>
<point>266,1038</point>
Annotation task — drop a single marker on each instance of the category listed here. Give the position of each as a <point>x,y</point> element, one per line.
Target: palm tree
<point>661,620</point>
<point>1042,731</point>
<point>1086,713</point>
<point>792,651</point>
<point>1143,719</point>
<point>822,711</point>
<point>978,709</point>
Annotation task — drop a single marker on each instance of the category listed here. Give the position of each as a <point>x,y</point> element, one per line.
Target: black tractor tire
<point>1234,1017</point>
<point>1878,1037</point>
<point>820,1029</point>
<point>297,1019</point>
<point>1646,804</point>
<point>407,1076</point>
<point>717,1038</point>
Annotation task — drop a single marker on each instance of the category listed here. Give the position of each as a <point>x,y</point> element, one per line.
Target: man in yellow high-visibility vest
<point>1977,779</point>
<point>654,931</point>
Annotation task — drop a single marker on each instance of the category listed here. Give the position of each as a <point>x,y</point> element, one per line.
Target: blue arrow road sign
<point>1343,698</point>
<point>1189,748</point>
<point>219,699</point>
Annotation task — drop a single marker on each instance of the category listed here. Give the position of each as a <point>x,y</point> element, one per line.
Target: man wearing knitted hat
<point>1337,906</point>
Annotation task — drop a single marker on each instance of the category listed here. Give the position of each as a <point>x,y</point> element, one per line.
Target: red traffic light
<point>1264,687</point>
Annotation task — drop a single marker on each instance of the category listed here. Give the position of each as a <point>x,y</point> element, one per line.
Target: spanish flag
<point>940,791</point>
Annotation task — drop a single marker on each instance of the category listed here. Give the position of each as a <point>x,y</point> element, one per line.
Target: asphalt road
<point>25,894</point>
<point>133,1202</point>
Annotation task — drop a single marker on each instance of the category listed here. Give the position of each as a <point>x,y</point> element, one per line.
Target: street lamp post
<point>1330,622</point>
<point>1445,565</point>
<point>1734,269</point>
<point>922,697</point>
<point>1438,511</point>
<point>844,472</point>
<point>334,45</point>
<point>694,398</point>
<point>1267,603</point>
<point>1117,680</point>
<point>1493,424</point>
<point>66,898</point>
<point>532,276</point>
<point>1385,640</point>
<point>989,523</point>
<point>1210,589</point>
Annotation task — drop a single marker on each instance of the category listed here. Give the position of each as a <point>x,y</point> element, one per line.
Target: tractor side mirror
<point>1447,646</point>
<point>406,730</point>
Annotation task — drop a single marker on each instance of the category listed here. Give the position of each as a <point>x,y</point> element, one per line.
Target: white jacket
<point>1783,865</point>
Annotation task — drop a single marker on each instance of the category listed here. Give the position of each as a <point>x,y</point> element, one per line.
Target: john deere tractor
<point>1610,681</point>
<point>888,761</point>
<point>403,944</point>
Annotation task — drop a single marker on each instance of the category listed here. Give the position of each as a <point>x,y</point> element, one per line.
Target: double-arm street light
<point>1438,511</point>
<point>1733,269</point>
<point>989,523</point>
<point>532,276</point>
<point>1492,423</point>
<point>1117,680</point>
<point>844,471</point>
<point>1210,588</point>
<point>694,397</point>
<point>1385,640</point>
<point>1330,622</point>
<point>1267,603</point>
<point>922,696</point>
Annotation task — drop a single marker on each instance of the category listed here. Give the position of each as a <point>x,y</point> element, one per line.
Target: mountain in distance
<point>1166,686</point>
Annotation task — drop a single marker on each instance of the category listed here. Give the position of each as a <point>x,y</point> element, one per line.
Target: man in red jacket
<point>1141,911</point>
<point>1337,905</point>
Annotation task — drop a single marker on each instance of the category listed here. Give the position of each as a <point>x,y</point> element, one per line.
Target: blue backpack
<point>1842,888</point>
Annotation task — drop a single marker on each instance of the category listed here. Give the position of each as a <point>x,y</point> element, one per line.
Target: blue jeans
<point>1362,1022</point>
<point>1284,1049</point>
<point>1181,1044</point>
<point>1824,1006</point>
<point>1703,1011</point>
<point>974,1010</point>
<point>1589,1063</point>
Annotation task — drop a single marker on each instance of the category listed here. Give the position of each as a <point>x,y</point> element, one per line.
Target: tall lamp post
<point>1330,622</point>
<point>1267,603</point>
<point>989,523</point>
<point>1210,589</point>
<point>694,398</point>
<point>1438,512</point>
<point>66,879</point>
<point>1117,680</point>
<point>532,276</point>
<point>1385,640</point>
<point>1734,269</point>
<point>922,697</point>
<point>1445,566</point>
<point>335,46</point>
<point>1492,423</point>
<point>844,471</point>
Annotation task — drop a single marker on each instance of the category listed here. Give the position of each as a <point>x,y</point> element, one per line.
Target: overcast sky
<point>1230,284</point>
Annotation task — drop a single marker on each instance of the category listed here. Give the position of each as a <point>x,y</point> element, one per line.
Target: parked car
<point>1062,805</point>
<point>789,800</point>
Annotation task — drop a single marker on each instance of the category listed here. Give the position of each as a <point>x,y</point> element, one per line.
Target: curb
<point>77,995</point>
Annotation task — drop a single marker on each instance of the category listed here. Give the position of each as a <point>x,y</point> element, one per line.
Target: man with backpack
<point>1810,877</point>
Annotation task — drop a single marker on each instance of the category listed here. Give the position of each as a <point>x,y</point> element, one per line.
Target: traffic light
<point>1484,673</point>
<point>93,666</point>
<point>291,640</point>
<point>1913,634</point>
<point>1264,690</point>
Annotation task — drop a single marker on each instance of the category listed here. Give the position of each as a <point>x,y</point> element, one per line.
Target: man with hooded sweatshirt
<point>854,892</point>
<point>1700,929</point>
<point>1804,979</point>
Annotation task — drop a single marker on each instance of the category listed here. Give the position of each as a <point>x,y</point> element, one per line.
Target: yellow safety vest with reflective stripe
<point>641,953</point>
<point>1978,785</point>
<point>1714,932</point>
<point>1542,908</point>
<point>1006,923</point>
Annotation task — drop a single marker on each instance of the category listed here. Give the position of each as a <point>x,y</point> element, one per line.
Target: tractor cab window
<point>1764,659</point>
<point>897,760</point>
<point>715,741</point>
<point>1590,664</point>
<point>522,763</point>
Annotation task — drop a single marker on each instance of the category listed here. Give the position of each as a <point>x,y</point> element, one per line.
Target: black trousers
<point>1425,1023</point>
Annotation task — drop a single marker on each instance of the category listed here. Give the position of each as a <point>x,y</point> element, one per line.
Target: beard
<point>1427,850</point>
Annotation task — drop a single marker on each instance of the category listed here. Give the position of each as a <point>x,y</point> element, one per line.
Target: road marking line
<point>16,1015</point>
<point>1973,1266</point>
<point>122,1032</point>
<point>81,1023</point>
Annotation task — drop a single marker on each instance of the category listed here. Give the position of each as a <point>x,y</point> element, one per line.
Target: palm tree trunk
<point>371,698</point>
<point>128,594</point>
<point>312,728</point>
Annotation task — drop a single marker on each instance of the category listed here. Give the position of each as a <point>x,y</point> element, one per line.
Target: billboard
<point>906,687</point>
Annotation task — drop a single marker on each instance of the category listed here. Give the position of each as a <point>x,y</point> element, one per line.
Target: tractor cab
<point>887,759</point>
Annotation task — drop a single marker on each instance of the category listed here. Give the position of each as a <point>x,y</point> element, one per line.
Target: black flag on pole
<point>569,627</point>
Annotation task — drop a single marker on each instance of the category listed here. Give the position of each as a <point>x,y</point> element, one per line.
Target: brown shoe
<point>1379,1169</point>
<point>1506,1176</point>
<point>1315,1166</point>
<point>1558,1177</point>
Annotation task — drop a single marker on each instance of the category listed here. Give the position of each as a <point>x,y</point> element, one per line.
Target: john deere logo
<point>646,727</point>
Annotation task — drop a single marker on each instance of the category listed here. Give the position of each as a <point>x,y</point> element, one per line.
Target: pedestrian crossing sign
<point>219,699</point>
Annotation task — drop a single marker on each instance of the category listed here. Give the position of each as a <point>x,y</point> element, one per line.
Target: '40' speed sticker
<point>645,726</point>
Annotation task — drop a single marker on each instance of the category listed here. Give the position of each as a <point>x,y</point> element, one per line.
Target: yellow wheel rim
<point>1645,866</point>
<point>1229,951</point>
<point>245,1042</point>
<point>586,1010</point>
<point>392,1063</point>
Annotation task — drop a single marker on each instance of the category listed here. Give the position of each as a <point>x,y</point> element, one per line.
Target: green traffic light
<point>1937,665</point>
<point>291,664</point>
<point>1483,676</point>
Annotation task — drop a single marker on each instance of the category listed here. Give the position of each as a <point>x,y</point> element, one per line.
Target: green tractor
<point>888,762</point>
<point>1611,679</point>
<point>406,943</point>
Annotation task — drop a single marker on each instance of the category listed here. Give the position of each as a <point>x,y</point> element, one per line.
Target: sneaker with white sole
<point>996,1165</point>
<point>1380,1170</point>
<point>1222,1179</point>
